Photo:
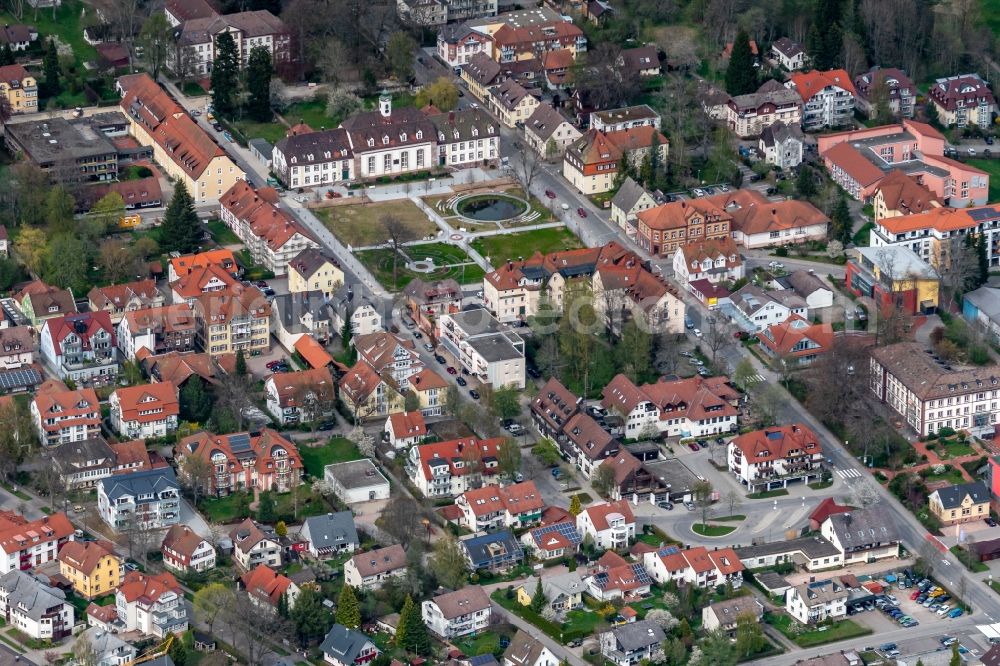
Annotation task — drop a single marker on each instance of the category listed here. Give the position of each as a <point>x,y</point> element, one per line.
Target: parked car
<point>474,394</point>
<point>669,506</point>
<point>991,522</point>
<point>429,347</point>
<point>581,212</point>
<point>451,370</point>
<point>693,446</point>
<point>550,194</point>
<point>697,332</point>
<point>460,380</point>
<point>955,613</point>
<point>417,335</point>
<point>440,359</point>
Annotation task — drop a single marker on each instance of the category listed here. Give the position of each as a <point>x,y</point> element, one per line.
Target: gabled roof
<point>863,527</point>
<point>147,403</point>
<point>588,437</point>
<point>263,582</point>
<point>455,451</point>
<point>904,194</point>
<point>17,533</point>
<point>544,121</point>
<point>408,424</point>
<point>951,497</point>
<point>787,47</point>
<point>380,561</point>
<point>515,499</point>
<point>45,297</point>
<point>184,541</point>
<point>132,484</point>
<point>601,514</point>
<point>628,195</point>
<point>143,293</point>
<point>295,389</point>
<point>469,599</point>
<point>344,645</point>
<point>29,595</point>
<point>525,650</point>
<point>332,529</point>
<point>176,318</point>
<point>257,209</point>
<point>555,404</point>
<point>638,635</point>
<point>84,326</point>
<point>310,260</point>
<point>809,83</point>
<point>248,534</point>
<point>241,449</point>
<point>53,399</point>
<point>778,443</point>
<point>84,556</point>
<point>782,338</point>
<point>148,587</point>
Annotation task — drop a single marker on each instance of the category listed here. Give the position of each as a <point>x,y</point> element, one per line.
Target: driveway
<point>193,519</point>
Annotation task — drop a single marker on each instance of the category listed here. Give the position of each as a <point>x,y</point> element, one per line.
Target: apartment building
<point>862,535</point>
<point>28,544</point>
<point>300,397</point>
<point>591,163</point>
<point>899,194</point>
<point>773,458</point>
<point>624,118</point>
<point>611,525</point>
<point>812,603</point>
<point>368,395</point>
<point>782,145</point>
<point>488,350</point>
<point>888,86</point>
<point>181,148</point>
<point>254,547</point>
<point>715,260</point>
<point>664,228</point>
<point>548,132</point>
<point>450,468</point>
<point>158,330</point>
<point>150,499</point>
<point>697,566</point>
<point>790,54</point>
<point>963,100</point>
<point>457,43</point>
<point>749,115</point>
<point>83,464</point>
<point>929,394</point>
<point>92,567</point>
<point>117,299</point>
<point>859,160</point>
<point>81,347</point>
<point>20,89</point>
<point>147,411</point>
<point>152,605</point>
<point>466,138</point>
<point>933,234</point>
<point>266,588</point>
<point>40,301</point>
<point>66,150</point>
<point>512,103</point>
<point>389,355</point>
<point>693,407</point>
<point>243,461</point>
<point>491,507</point>
<point>827,97</point>
<point>271,234</point>
<point>313,269</point>
<point>35,609</point>
<point>193,51</point>
<point>232,319</point>
<point>459,613</point>
<point>63,415</point>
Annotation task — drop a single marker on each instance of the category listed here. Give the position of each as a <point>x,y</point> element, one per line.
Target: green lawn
<point>272,132</point>
<point>222,234</point>
<point>862,236</point>
<point>805,638</point>
<point>953,448</point>
<point>991,17</point>
<point>991,167</point>
<point>951,474</point>
<point>483,643</point>
<point>710,530</point>
<point>963,557</point>
<point>735,518</point>
<point>361,225</point>
<point>768,494</point>
<point>313,112</point>
<point>337,450</point>
<point>235,507</point>
<point>497,249</point>
<point>66,25</point>
<point>452,262</point>
<point>226,509</point>
<point>193,89</point>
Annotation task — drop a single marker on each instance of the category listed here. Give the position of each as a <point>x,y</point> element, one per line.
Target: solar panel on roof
<point>978,214</point>
<point>20,378</point>
<point>668,550</point>
<point>641,575</point>
<point>239,443</point>
<point>567,530</point>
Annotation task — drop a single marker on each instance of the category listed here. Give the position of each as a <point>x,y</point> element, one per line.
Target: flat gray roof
<point>356,474</point>
<point>811,547</point>
<point>495,347</point>
<point>672,472</point>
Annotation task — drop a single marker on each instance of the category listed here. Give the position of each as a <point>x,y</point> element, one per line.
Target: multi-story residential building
<point>931,395</point>
<point>83,464</point>
<point>812,603</point>
<point>232,319</point>
<point>448,469</point>
<point>63,415</point>
<point>108,648</point>
<point>494,552</point>
<point>492,507</point>
<point>253,547</point>
<point>179,11</point>
<point>899,194</point>
<point>148,499</point>
<point>20,89</point>
<point>193,275</point>
<point>184,150</point>
<point>66,150</point>
<point>313,269</point>
<point>796,341</point>
<point>863,535</point>
<point>426,301</point>
<point>715,260</point>
<point>553,407</point>
<point>328,535</point>
<point>35,609</point>
<point>591,162</point>
<point>431,391</point>
<point>458,613</point>
<point>632,643</point>
<point>193,53</point>
<point>117,299</point>
<point>368,395</point>
<point>859,160</point>
<point>151,604</point>
<point>369,570</point>
<point>753,309</point>
<point>457,43</point>
<point>774,457</point>
<point>28,544</point>
<point>694,566</point>
<point>81,347</point>
<point>615,578</point>
<point>694,407</point>
<point>512,103</point>
<point>40,301</point>
<point>963,100</point>
<point>960,503</point>
<point>611,525</point>
<point>515,40</point>
<point>352,305</point>
<point>934,234</point>
<point>466,139</point>
<point>789,54</point>
<point>889,87</point>
<point>304,316</point>
<point>244,461</point>
<point>828,98</point>
<point>423,12</point>
<point>630,199</point>
<point>159,330</point>
<point>185,550</point>
<point>146,411</point>
<point>17,347</point>
<point>92,567</point>
<point>406,429</point>
<point>266,588</point>
<point>300,397</point>
<point>490,351</point>
<point>389,355</point>
<point>664,228</point>
<point>624,118</point>
<point>782,145</point>
<point>272,235</point>
<point>894,276</point>
<point>548,132</point>
<point>585,443</point>
<point>749,115</point>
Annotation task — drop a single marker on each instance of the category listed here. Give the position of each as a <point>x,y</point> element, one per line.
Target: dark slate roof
<point>291,307</point>
<point>343,644</point>
<point>310,260</point>
<point>628,195</point>
<point>477,548</point>
<point>951,496</point>
<point>140,483</point>
<point>315,147</point>
<point>464,122</point>
<point>866,527</point>
<point>332,528</point>
<point>638,635</point>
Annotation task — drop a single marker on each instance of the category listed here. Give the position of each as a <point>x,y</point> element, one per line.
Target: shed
<point>261,149</point>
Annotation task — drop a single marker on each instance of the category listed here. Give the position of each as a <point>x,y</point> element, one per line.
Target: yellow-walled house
<point>962,503</point>
<point>20,89</point>
<point>562,592</point>
<point>314,270</point>
<point>91,567</point>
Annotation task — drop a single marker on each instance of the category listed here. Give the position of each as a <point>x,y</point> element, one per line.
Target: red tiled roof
<point>778,442</point>
<point>74,408</point>
<point>71,324</point>
<point>453,450</point>
<point>17,533</point>
<point>147,403</point>
<point>408,424</point>
<point>809,83</point>
<point>148,586</point>
<point>263,447</point>
<point>599,513</point>
<point>84,556</point>
<point>827,508</point>
<point>264,582</point>
<point>782,338</point>
<point>313,352</point>
<point>293,388</point>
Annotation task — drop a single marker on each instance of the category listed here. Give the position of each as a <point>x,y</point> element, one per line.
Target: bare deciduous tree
<point>718,335</point>
<point>525,165</point>
<point>396,231</point>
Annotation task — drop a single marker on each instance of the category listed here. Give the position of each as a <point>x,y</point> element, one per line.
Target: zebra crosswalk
<point>849,473</point>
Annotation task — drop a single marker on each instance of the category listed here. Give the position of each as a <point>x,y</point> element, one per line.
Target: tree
<point>6,56</point>
<point>741,76</point>
<point>195,402</point>
<point>538,597</point>
<point>525,165</point>
<point>241,363</point>
<point>281,529</point>
<point>156,41</point>
<point>259,72</point>
<point>505,403</point>
<point>441,94</point>
<point>702,493</point>
<point>341,103</point>
<point>806,182</point>
<point>396,231</point>
<point>50,71</point>
<point>733,500</point>
<point>118,262</point>
<point>509,458</point>
<point>575,506</point>
<point>749,636</point>
<point>348,610</point>
<point>196,475</point>
<point>411,632</point>
<point>181,230</point>
<point>308,616</point>
<point>253,629</point>
<point>956,658</point>
<point>178,652</point>
<point>448,563</point>
<point>401,519</point>
<point>267,507</point>
<point>411,401</point>
<point>841,225</point>
<point>546,451</point>
<point>636,350</point>
<point>603,480</point>
<point>746,375</point>
<point>212,600</point>
<point>718,335</point>
<point>67,262</point>
<point>108,210</point>
<point>225,76</point>
<point>825,40</point>
<point>59,209</point>
<point>717,650</point>
<point>399,55</point>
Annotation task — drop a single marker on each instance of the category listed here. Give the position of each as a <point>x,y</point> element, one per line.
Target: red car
<point>694,447</point>
<point>452,371</point>
<point>581,212</point>
<point>916,593</point>
<point>275,364</point>
<point>550,194</point>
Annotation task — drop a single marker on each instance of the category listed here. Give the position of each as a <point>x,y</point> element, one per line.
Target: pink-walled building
<point>858,161</point>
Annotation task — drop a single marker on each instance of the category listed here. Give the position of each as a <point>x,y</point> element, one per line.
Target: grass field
<point>313,112</point>
<point>379,262</point>
<point>361,224</point>
<point>497,249</point>
<point>66,25</point>
<point>222,234</point>
<point>712,530</point>
<point>991,167</point>
<point>837,631</point>
<point>271,132</point>
<point>336,450</point>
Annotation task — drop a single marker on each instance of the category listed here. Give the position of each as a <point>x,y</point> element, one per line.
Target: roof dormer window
<point>402,137</point>
<point>420,134</point>
<point>371,142</point>
<point>385,140</point>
